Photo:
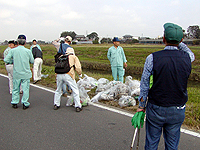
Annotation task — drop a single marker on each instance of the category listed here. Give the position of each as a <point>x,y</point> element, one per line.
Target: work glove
<point>138,119</point>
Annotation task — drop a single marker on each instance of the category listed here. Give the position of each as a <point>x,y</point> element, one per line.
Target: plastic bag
<point>108,95</point>
<point>70,101</point>
<point>103,87</point>
<point>103,81</point>
<point>134,86</point>
<point>84,97</point>
<point>121,89</point>
<point>135,92</point>
<point>97,97</point>
<point>127,101</point>
<point>87,82</point>
<point>44,76</point>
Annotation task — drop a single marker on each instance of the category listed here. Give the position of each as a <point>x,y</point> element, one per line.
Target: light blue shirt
<point>38,46</point>
<point>148,67</point>
<point>21,57</point>
<point>116,56</point>
<point>5,53</point>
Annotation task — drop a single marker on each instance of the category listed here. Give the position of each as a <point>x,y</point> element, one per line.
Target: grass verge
<point>96,65</point>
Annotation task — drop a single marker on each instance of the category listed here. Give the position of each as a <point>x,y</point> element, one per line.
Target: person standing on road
<point>20,57</point>
<point>69,79</point>
<point>9,66</point>
<point>165,109</point>
<point>117,58</point>
<point>37,66</point>
<point>64,44</point>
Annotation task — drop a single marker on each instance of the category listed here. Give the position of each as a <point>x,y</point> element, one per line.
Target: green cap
<point>173,33</point>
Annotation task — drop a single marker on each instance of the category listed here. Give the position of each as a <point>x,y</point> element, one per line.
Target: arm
<point>77,65</point>
<point>144,84</point>
<point>8,59</point>
<point>31,59</point>
<point>124,58</point>
<point>60,51</point>
<point>183,47</point>
<point>31,47</point>
<point>56,44</point>
<point>39,47</point>
<point>109,54</point>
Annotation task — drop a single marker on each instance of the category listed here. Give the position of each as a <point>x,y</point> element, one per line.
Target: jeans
<point>118,71</point>
<point>66,79</point>
<point>163,119</point>
<point>25,83</point>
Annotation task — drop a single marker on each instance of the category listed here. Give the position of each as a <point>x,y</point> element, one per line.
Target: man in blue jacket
<point>165,110</point>
<point>21,58</point>
<point>117,59</point>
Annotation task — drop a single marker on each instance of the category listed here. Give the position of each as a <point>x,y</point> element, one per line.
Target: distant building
<point>84,42</point>
<point>80,37</point>
<point>150,41</point>
<point>160,41</point>
<point>126,37</point>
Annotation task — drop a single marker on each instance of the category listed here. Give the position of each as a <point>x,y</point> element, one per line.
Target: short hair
<point>15,43</point>
<point>11,42</point>
<point>21,41</point>
<point>34,40</point>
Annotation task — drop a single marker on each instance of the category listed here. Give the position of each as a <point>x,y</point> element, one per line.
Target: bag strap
<point>61,48</point>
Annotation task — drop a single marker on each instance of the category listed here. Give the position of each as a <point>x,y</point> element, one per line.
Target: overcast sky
<point>46,19</point>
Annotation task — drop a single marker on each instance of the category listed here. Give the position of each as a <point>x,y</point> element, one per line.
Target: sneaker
<point>25,107</point>
<point>35,81</point>
<point>14,106</point>
<point>56,107</point>
<point>78,109</point>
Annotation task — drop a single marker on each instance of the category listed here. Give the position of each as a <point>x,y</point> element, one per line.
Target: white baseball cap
<point>68,38</point>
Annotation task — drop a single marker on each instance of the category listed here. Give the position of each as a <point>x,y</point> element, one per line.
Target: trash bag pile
<point>107,90</point>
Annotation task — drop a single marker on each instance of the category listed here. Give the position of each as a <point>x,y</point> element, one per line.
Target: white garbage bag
<point>87,82</point>
<point>84,97</point>
<point>70,100</point>
<point>127,101</point>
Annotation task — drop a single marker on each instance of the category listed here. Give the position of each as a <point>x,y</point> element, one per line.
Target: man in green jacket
<point>117,58</point>
<point>21,58</point>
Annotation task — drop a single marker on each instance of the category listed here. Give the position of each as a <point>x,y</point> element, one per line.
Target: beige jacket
<point>74,61</point>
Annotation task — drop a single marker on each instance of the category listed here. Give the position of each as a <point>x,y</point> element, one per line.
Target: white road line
<point>192,133</point>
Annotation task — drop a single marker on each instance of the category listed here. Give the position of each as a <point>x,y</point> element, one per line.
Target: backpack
<point>62,66</point>
<point>37,53</point>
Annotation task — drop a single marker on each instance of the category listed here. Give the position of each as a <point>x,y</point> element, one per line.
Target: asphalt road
<point>42,128</point>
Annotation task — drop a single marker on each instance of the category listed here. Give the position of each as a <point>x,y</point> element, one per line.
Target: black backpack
<point>62,66</point>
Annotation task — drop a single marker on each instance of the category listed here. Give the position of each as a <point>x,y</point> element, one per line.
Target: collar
<point>171,48</point>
